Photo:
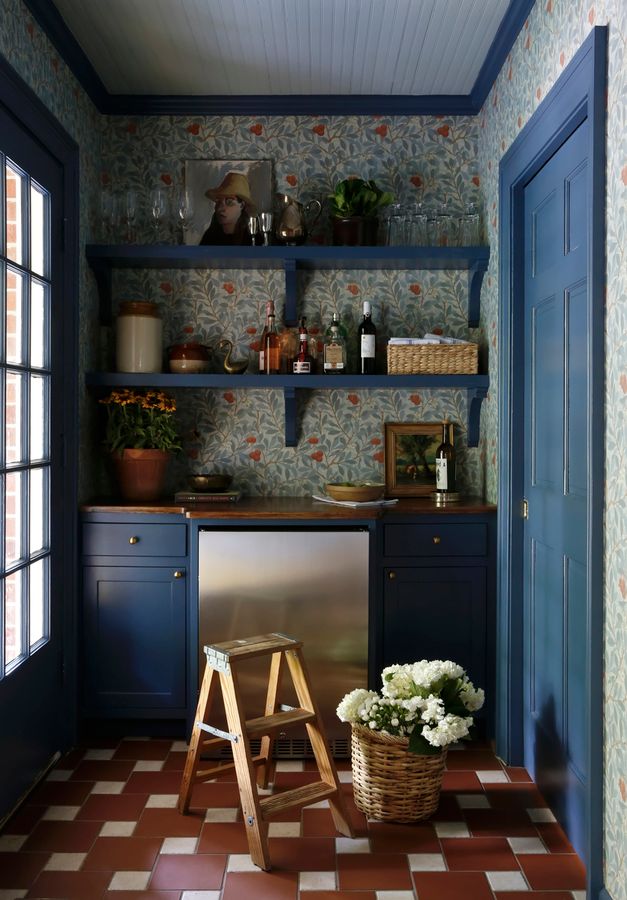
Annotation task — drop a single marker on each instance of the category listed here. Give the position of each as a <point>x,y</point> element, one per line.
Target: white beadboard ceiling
<point>318,47</point>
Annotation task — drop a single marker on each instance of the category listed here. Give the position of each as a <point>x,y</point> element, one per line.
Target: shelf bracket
<point>289,398</point>
<point>291,316</point>
<point>476,396</point>
<point>103,275</point>
<point>475,279</point>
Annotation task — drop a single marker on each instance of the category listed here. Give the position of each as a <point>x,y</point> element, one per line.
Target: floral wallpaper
<point>551,36</point>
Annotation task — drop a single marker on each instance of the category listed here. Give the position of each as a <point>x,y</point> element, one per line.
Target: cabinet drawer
<point>437,539</point>
<point>133,539</point>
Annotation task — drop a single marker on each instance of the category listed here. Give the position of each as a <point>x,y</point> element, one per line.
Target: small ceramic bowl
<point>210,482</point>
<point>190,358</point>
<point>357,492</point>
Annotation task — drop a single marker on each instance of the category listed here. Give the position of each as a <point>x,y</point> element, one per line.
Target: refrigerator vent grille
<point>293,748</point>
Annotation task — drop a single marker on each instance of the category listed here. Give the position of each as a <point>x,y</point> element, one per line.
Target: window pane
<point>13,517</point>
<point>38,324</point>
<point>14,317</point>
<point>13,407</point>
<point>39,200</point>
<point>38,604</point>
<point>38,525</point>
<point>13,617</point>
<point>38,443</point>
<point>14,212</point>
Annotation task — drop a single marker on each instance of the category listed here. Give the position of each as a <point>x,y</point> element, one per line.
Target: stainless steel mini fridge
<point>309,584</point>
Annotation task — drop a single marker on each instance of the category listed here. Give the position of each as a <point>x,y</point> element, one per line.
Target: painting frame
<point>201,175</point>
<point>400,479</point>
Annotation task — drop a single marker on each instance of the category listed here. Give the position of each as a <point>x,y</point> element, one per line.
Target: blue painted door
<point>556,538</point>
<point>34,697</point>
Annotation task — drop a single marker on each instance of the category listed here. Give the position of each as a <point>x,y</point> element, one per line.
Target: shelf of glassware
<point>103,258</point>
<point>476,387</point>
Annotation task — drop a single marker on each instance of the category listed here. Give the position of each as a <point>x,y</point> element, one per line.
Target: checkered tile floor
<point>105,824</point>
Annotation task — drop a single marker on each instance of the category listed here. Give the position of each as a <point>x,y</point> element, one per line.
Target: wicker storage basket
<point>433,359</point>
<point>389,782</point>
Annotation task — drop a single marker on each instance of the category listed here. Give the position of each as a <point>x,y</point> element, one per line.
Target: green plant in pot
<point>355,205</point>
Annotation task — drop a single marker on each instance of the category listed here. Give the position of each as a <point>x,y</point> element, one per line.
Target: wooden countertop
<point>291,508</point>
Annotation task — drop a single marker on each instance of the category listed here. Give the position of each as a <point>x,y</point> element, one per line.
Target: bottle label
<point>333,357</point>
<point>441,475</point>
<point>262,360</point>
<point>302,367</point>
<point>367,346</point>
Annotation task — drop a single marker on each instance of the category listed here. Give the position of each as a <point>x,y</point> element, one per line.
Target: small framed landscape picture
<point>225,193</point>
<point>410,457</point>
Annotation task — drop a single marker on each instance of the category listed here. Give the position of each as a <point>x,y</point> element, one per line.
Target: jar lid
<point>138,308</point>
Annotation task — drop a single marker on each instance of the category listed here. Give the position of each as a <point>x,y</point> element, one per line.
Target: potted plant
<point>354,206</point>
<point>400,736</point>
<point>140,435</point>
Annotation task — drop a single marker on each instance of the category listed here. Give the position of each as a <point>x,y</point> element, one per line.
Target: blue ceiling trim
<point>48,17</point>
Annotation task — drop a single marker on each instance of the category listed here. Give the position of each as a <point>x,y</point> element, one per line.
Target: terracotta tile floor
<point>105,824</point>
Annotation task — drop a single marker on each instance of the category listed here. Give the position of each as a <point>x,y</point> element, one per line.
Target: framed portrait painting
<point>225,193</point>
<point>410,457</point>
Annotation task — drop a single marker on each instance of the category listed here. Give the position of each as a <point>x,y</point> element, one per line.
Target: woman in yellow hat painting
<point>233,207</point>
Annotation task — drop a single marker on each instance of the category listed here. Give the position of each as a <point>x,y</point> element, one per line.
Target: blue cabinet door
<point>135,640</point>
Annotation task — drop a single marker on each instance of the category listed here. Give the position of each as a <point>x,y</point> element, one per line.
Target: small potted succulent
<point>354,205</point>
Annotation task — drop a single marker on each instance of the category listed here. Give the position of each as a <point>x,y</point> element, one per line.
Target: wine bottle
<point>262,339</point>
<point>334,349</point>
<point>302,363</point>
<point>272,350</point>
<point>445,463</point>
<point>367,334</point>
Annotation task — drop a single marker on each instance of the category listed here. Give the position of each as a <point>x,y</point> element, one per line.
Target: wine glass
<point>185,210</point>
<point>266,227</point>
<point>158,208</point>
<point>108,213</point>
<point>253,228</point>
<point>130,213</point>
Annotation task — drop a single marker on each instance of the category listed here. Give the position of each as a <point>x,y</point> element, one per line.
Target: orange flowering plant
<point>140,420</point>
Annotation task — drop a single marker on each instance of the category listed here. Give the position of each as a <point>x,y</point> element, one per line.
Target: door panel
<point>555,468</point>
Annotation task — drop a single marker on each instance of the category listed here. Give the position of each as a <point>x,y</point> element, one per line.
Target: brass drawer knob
<point>391,575</point>
<point>133,540</point>
<point>179,574</point>
<point>437,539</point>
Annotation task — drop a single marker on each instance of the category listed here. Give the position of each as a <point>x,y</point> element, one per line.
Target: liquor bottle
<point>367,337</point>
<point>302,363</point>
<point>334,349</point>
<point>445,463</point>
<point>262,339</point>
<point>272,350</point>
<point>335,320</point>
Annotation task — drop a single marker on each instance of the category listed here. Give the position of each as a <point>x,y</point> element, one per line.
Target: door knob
<point>133,540</point>
<point>391,575</point>
<point>179,574</point>
<point>437,539</point>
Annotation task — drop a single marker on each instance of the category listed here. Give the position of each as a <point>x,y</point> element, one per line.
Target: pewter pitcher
<point>292,222</point>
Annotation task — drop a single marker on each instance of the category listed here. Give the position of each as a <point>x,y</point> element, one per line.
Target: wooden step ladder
<point>253,772</point>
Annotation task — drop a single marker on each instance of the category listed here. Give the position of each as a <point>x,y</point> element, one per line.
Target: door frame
<point>579,93</point>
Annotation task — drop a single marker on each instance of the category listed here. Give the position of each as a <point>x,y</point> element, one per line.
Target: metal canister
<point>139,337</point>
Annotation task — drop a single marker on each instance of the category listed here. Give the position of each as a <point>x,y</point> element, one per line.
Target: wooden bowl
<point>355,492</point>
<point>209,482</point>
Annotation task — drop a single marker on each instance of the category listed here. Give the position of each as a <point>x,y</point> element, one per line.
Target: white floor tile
<point>241,862</point>
<point>284,829</point>
<point>180,747</point>
<point>200,895</point>
<point>345,777</point>
<point>179,845</point>
<point>451,830</point>
<point>11,843</point>
<point>59,775</point>
<point>541,814</point>
<point>497,776</point>
<point>61,813</point>
<point>162,801</point>
<point>507,881</point>
<point>472,801</point>
<point>427,862</point>
<point>117,829</point>
<point>522,845</point>
<point>11,894</point>
<point>290,765</point>
<point>352,845</point>
<point>108,787</point>
<point>394,895</point>
<point>65,862</point>
<point>99,754</point>
<point>148,765</point>
<point>316,881</point>
<point>579,895</point>
<point>129,881</point>
<point>224,814</point>
<point>321,804</point>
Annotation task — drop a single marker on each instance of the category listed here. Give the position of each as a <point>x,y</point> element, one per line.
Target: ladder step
<point>222,767</point>
<point>300,796</point>
<point>219,655</point>
<point>277,721</point>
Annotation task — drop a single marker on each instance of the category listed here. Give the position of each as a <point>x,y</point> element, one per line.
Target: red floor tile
<point>374,871</point>
<point>533,895</point>
<point>479,854</point>
<point>548,871</point>
<point>395,838</point>
<point>175,761</point>
<point>19,870</point>
<point>113,807</point>
<point>102,770</point>
<point>302,854</point>
<point>318,823</point>
<point>510,796</point>
<point>188,872</point>
<point>114,854</point>
<point>517,773</point>
<point>215,795</point>
<point>461,782</point>
<point>70,885</point>
<point>223,837</point>
<point>260,886</point>
<point>339,895</point>
<point>135,750</point>
<point>61,793</point>
<point>448,809</point>
<point>553,836</point>
<point>168,823</point>
<point>62,837</point>
<point>141,895</point>
<point>153,783</point>
<point>452,886</point>
<point>499,823</point>
<point>472,759</point>
<point>24,820</point>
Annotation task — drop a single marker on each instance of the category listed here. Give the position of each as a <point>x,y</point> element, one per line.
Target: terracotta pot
<point>355,231</point>
<point>141,473</point>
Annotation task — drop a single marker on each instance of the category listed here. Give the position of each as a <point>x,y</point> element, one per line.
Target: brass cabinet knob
<point>437,539</point>
<point>133,540</point>
<point>391,575</point>
<point>179,574</point>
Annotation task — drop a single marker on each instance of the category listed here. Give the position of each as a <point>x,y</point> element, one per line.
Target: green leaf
<point>420,746</point>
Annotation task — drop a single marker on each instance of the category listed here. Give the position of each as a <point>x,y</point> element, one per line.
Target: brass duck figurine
<point>232,366</point>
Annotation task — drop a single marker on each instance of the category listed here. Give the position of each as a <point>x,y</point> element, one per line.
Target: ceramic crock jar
<point>139,346</point>
<point>189,358</point>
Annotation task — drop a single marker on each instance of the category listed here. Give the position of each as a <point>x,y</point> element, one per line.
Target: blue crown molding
<point>48,17</point>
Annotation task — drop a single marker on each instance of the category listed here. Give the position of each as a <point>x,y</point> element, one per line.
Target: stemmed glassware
<point>130,213</point>
<point>253,228</point>
<point>265,219</point>
<point>108,213</point>
<point>158,209</point>
<point>185,211</point>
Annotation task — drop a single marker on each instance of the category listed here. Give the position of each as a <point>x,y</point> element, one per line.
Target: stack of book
<point>207,496</point>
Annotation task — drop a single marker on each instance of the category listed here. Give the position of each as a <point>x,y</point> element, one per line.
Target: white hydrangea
<point>472,698</point>
<point>427,672</point>
<point>433,709</point>
<point>349,707</point>
<point>450,729</point>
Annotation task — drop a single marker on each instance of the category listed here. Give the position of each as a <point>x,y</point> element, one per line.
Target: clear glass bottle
<point>367,335</point>
<point>272,347</point>
<point>445,463</point>
<point>334,350</point>
<point>262,339</point>
<point>302,363</point>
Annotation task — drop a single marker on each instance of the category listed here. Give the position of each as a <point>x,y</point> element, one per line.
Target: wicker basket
<point>389,782</point>
<point>433,359</point>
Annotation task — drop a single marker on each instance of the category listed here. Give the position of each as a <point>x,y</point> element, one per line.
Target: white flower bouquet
<point>430,702</point>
